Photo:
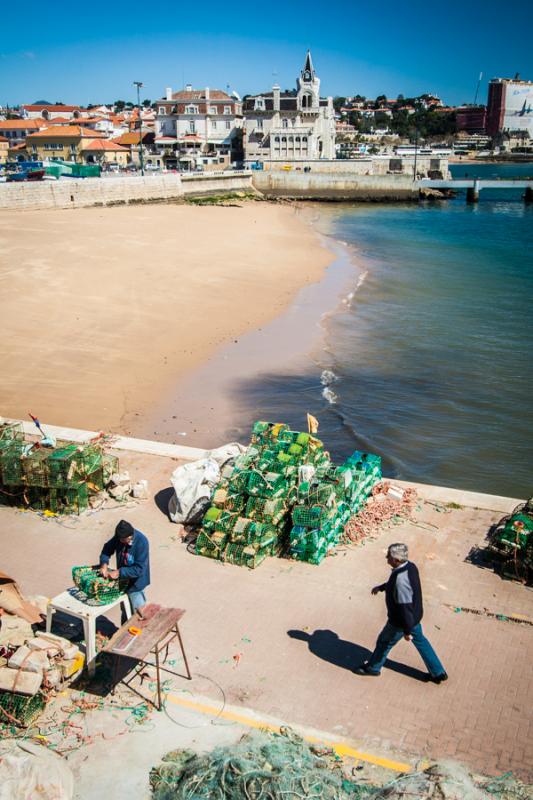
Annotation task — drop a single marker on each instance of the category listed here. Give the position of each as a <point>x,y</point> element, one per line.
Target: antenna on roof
<point>477,88</point>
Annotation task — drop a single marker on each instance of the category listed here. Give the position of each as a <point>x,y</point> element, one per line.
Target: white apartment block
<point>290,126</point>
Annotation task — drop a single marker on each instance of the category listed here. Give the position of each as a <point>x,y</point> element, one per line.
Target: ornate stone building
<point>290,126</point>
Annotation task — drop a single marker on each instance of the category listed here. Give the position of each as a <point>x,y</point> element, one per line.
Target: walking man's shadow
<point>347,655</point>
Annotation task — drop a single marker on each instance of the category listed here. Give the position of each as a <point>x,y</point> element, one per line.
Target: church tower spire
<point>308,66</point>
<point>308,86</point>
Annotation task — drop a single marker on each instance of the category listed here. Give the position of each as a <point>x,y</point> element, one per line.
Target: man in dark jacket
<point>133,562</point>
<point>403,596</point>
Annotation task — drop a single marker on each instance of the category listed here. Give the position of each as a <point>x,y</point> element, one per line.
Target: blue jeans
<point>137,600</point>
<point>390,635</point>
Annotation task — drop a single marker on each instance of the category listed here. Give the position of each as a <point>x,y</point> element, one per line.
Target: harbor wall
<point>81,192</point>
<point>335,186</point>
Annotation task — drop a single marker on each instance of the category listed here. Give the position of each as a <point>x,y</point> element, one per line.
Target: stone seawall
<point>324,186</point>
<point>81,192</point>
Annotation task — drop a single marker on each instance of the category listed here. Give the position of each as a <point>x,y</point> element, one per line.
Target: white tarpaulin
<point>195,482</point>
<point>30,771</point>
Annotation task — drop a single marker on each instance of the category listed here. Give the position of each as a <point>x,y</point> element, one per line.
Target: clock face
<point>307,75</point>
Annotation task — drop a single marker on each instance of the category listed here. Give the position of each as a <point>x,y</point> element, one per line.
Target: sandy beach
<point>105,309</point>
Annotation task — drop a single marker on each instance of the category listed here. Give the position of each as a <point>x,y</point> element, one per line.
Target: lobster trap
<point>20,710</point>
<point>284,478</point>
<point>95,588</point>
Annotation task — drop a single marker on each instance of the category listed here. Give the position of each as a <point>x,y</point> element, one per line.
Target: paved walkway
<point>298,630</point>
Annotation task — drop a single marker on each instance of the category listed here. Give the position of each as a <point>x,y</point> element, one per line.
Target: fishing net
<point>266,766</point>
<point>449,780</point>
<point>283,766</point>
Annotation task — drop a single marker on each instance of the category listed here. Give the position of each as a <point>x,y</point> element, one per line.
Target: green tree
<point>338,103</point>
<point>147,103</point>
<point>380,99</point>
<point>119,105</point>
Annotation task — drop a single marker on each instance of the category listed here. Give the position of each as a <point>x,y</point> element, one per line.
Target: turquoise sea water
<point>429,361</point>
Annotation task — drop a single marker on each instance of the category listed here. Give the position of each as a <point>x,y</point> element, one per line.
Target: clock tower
<point>308,86</point>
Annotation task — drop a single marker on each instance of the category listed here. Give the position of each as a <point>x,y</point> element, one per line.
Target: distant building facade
<point>290,126</point>
<point>4,149</point>
<point>50,112</point>
<point>510,106</point>
<point>16,130</point>
<point>64,143</point>
<point>471,119</point>
<point>198,129</point>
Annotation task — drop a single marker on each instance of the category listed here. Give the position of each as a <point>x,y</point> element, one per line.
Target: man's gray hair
<point>399,551</point>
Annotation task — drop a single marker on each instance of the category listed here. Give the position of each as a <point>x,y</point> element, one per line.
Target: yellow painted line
<point>341,748</point>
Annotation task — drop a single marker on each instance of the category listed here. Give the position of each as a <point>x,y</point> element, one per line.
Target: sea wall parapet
<point>82,192</point>
<point>335,186</point>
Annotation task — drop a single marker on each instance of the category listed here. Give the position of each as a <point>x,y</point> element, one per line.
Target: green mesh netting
<point>283,766</point>
<point>260,767</point>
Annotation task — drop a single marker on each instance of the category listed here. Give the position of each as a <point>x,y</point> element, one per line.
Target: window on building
<point>214,124</point>
<point>284,123</point>
<point>191,109</point>
<point>259,104</point>
<point>304,138</point>
<point>296,138</point>
<point>276,138</point>
<point>284,139</point>
<point>162,110</point>
<point>192,126</point>
<point>227,109</point>
<point>259,124</point>
<point>228,125</point>
<point>212,109</point>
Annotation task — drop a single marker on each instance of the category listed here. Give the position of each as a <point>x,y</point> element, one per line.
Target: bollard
<point>472,193</point>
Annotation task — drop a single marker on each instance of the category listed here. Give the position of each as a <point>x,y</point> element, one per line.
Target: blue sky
<point>93,53</point>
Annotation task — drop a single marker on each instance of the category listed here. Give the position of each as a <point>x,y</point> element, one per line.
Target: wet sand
<point>105,309</point>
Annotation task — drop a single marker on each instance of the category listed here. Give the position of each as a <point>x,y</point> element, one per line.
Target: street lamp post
<point>138,84</point>
<point>416,153</point>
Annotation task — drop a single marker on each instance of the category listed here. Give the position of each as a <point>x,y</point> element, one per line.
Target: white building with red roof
<point>199,128</point>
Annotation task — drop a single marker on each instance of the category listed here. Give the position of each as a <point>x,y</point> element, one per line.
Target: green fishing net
<point>259,767</point>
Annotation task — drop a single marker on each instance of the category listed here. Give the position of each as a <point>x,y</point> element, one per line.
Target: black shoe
<point>438,678</point>
<point>364,669</point>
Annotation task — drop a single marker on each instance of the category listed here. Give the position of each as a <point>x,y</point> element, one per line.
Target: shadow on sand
<point>348,655</point>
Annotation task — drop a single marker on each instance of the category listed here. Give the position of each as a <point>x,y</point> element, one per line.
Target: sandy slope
<point>102,309</point>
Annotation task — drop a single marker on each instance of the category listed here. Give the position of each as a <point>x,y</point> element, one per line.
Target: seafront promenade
<point>278,645</point>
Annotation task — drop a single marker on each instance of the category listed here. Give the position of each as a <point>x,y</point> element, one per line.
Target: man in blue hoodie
<point>133,562</point>
<point>403,596</point>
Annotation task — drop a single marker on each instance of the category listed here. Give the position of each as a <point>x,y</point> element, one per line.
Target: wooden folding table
<point>158,629</point>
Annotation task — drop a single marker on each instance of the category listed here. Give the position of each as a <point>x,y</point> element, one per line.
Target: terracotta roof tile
<point>67,131</point>
<point>22,124</point>
<point>105,144</point>
<point>199,94</point>
<point>41,107</point>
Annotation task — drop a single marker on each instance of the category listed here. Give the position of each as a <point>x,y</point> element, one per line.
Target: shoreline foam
<point>209,406</point>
